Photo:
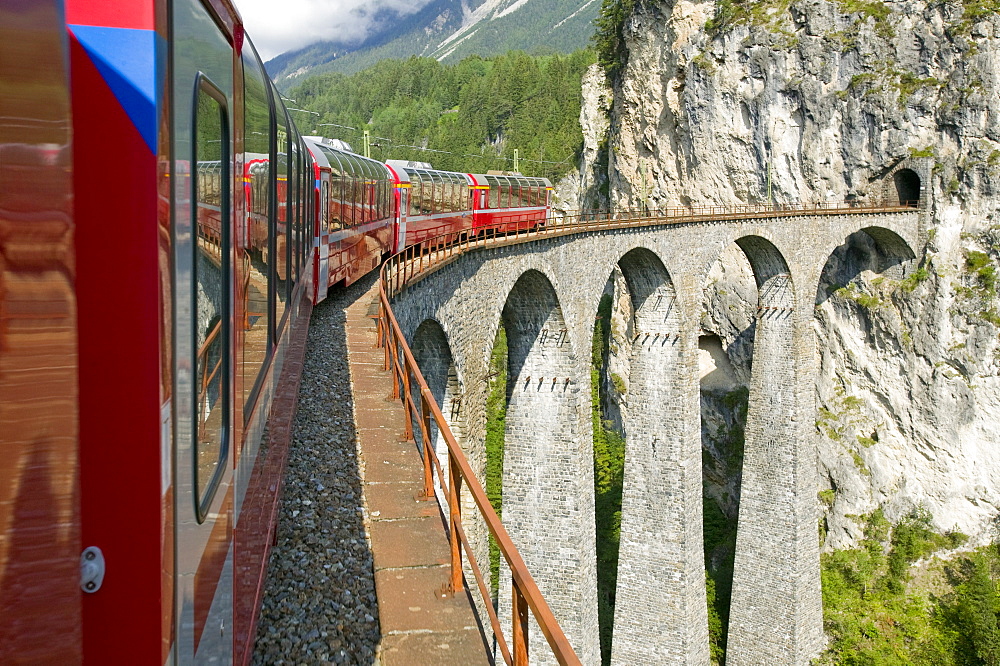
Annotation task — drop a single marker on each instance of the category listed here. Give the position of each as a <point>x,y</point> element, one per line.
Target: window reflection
<point>211,263</point>
<point>254,276</point>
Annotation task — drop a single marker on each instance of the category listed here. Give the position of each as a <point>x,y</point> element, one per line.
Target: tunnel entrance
<point>907,187</point>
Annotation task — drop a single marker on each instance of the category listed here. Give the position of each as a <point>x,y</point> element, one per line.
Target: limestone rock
<point>807,103</point>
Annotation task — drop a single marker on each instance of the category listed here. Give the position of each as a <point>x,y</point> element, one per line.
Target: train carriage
<point>170,305</point>
<point>354,224</point>
<point>507,203</point>
<point>431,204</point>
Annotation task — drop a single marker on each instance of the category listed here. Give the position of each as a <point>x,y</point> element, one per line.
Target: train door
<point>401,199</point>
<point>322,279</point>
<point>203,420</point>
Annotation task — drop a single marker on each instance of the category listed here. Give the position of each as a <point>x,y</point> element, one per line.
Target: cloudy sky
<point>276,26</point>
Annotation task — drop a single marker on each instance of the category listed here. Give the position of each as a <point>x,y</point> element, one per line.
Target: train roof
<point>426,175</point>
<point>336,144</point>
<point>343,161</point>
<point>509,178</point>
<point>408,164</point>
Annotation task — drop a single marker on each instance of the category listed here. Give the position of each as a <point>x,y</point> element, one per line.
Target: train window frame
<point>203,499</point>
<point>338,178</point>
<point>348,175</point>
<point>290,194</point>
<point>293,224</point>
<point>492,192</point>
<point>368,179</point>
<point>412,202</point>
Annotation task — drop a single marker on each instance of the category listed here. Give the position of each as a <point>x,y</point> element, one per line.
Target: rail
<point>413,262</point>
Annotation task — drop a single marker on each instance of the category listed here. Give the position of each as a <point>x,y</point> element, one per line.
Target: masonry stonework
<point>547,293</point>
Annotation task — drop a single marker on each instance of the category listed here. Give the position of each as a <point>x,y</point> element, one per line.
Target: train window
<point>348,171</point>
<point>386,197</point>
<point>441,192</point>
<point>254,279</point>
<point>305,194</point>
<point>427,194</point>
<point>293,197</point>
<point>461,194</point>
<point>447,194</point>
<point>279,222</point>
<point>291,232</point>
<point>367,191</point>
<point>453,203</point>
<point>414,195</point>
<point>382,199</point>
<point>494,197</point>
<point>350,199</point>
<point>211,296</point>
<point>336,201</point>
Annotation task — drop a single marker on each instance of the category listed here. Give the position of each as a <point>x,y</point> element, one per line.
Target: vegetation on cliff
<point>468,117</point>
<point>892,602</point>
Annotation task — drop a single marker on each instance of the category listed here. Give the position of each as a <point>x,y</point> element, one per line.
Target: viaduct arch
<point>546,292</point>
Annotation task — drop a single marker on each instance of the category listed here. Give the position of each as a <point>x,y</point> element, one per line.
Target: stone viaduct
<point>546,292</point>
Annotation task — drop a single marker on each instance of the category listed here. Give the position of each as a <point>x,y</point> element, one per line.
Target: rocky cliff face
<point>811,101</point>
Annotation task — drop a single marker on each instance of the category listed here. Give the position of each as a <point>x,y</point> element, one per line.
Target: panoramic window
<point>211,277</point>
<point>255,276</point>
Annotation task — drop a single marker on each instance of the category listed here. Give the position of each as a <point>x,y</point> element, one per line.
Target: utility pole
<point>368,148</point>
<point>516,167</point>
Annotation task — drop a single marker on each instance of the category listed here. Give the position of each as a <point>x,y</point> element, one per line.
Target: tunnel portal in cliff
<point>907,187</point>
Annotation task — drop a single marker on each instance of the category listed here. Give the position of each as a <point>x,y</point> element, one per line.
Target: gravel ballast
<point>319,602</point>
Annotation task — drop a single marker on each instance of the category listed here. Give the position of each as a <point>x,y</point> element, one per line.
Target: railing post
<point>407,399</point>
<point>519,628</point>
<point>425,433</point>
<point>388,340</point>
<point>455,512</point>
<point>394,368</point>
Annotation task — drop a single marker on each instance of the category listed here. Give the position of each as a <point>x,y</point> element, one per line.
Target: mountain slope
<point>449,30</point>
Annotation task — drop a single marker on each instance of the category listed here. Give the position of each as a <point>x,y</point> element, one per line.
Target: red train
<point>367,210</point>
<point>164,231</point>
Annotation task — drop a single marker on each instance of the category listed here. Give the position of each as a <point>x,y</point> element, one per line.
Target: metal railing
<point>526,595</point>
<point>417,261</point>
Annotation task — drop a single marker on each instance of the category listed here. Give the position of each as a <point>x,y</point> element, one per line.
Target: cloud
<point>276,26</point>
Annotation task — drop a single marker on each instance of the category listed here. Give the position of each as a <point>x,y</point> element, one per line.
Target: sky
<point>276,26</point>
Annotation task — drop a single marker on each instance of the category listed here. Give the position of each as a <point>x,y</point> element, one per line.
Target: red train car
<point>355,221</point>
<point>154,197</point>
<point>431,204</point>
<point>505,203</point>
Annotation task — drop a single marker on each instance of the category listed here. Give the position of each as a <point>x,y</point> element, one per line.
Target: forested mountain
<point>449,30</point>
<point>468,117</point>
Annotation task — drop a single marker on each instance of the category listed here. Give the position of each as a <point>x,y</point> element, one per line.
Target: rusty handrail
<point>414,261</point>
<point>401,363</point>
<point>206,377</point>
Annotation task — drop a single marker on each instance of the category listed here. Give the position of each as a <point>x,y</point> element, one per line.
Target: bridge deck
<point>420,622</point>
